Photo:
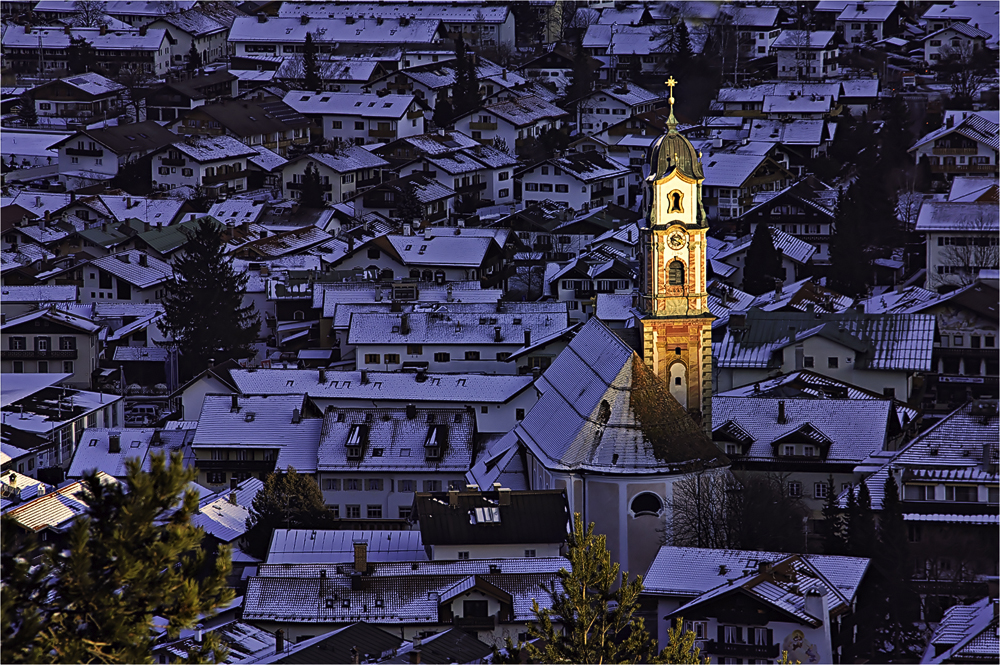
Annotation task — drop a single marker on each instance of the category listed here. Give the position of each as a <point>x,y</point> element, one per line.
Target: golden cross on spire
<point>671,82</point>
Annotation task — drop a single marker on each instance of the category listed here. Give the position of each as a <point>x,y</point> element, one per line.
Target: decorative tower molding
<point>675,321</point>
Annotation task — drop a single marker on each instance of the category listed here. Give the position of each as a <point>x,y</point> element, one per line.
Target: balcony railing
<point>584,294</point>
<point>222,177</point>
<point>602,192</point>
<point>39,354</point>
<point>737,649</point>
<point>413,115</point>
<point>956,151</point>
<point>382,133</point>
<point>471,187</point>
<point>369,182</point>
<point>166,161</point>
<point>235,465</point>
<point>963,168</point>
<point>298,185</point>
<point>82,152</point>
<point>476,623</point>
<point>482,125</point>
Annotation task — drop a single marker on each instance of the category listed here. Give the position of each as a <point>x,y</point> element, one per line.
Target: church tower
<point>675,323</point>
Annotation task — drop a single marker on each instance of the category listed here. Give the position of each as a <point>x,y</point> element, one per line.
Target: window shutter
<point>722,634</point>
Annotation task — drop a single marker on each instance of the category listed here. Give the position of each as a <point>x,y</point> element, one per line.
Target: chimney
<point>232,498</point>
<point>350,243</point>
<point>411,411</point>
<point>527,338</point>
<point>364,377</point>
<point>404,324</point>
<point>860,308</point>
<point>322,375</point>
<point>427,233</point>
<point>261,17</point>
<point>781,412</point>
<point>950,122</point>
<point>234,407</point>
<point>496,334</point>
<point>504,494</point>
<point>815,603</point>
<point>407,229</point>
<point>66,30</point>
<point>451,296</point>
<point>453,498</point>
<point>104,29</point>
<point>143,260</point>
<point>114,442</point>
<point>142,31</point>
<point>296,416</point>
<point>304,19</point>
<point>360,556</point>
<point>279,637</point>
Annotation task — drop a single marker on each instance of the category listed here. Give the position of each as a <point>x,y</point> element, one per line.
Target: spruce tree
<point>583,76</point>
<point>862,535</point>
<point>26,112</point>
<point>763,263</point>
<point>81,55</point>
<point>465,93</point>
<point>204,311</point>
<point>311,66</point>
<point>850,516</point>
<point>311,194</point>
<point>848,246</point>
<point>409,208</point>
<point>833,522</point>
<point>287,501</point>
<point>131,556</point>
<point>444,114</point>
<point>684,54</point>
<point>194,58</point>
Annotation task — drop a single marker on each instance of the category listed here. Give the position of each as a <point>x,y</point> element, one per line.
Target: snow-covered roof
<point>973,127</point>
<point>38,293</point>
<point>589,166</point>
<point>796,39</point>
<point>54,315</point>
<point>524,110</point>
<point>450,13</point>
<point>729,169</point>
<point>977,218</point>
<point>91,83</point>
<point>128,266</point>
<point>797,132</point>
<point>349,103</point>
<point>459,328</point>
<point>967,633</point>
<point>629,94</point>
<point>868,12</point>
<point>390,31</point>
<point>57,38</point>
<point>969,189</point>
<point>346,159</point>
<point>337,546</point>
<point>212,148</point>
<point>267,159</point>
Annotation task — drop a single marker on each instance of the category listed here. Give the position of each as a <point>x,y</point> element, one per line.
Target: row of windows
<point>43,367</point>
<point>416,349</point>
<point>378,485</point>
<point>957,493</point>
<point>41,343</point>
<point>985,240</point>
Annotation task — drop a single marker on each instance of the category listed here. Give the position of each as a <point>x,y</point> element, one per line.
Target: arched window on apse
<point>675,274</point>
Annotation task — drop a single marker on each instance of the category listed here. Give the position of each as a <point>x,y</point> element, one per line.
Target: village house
<point>865,22</point>
<point>148,50</point>
<point>436,198</point>
<point>513,124</point>
<point>961,240</point>
<point>804,210</point>
<point>963,146</point>
<point>579,180</point>
<point>427,81</point>
<point>359,118</point>
<point>205,27</point>
<point>133,13</point>
<point>179,95</point>
<point>95,155</point>
<point>271,124</point>
<point>342,173</point>
<point>807,55</point>
<point>796,256</point>
<point>51,340</point>
<point>955,39</point>
<point>217,164</point>
<point>621,101</point>
<point>756,28</point>
<point>732,179</point>
<point>584,278</point>
<point>84,96</point>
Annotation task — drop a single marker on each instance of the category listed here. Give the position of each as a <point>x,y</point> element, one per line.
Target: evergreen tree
<point>26,112</point>
<point>895,137</point>
<point>680,649</point>
<point>311,66</point>
<point>194,58</point>
<point>409,208</point>
<point>763,263</point>
<point>204,311</point>
<point>132,555</point>
<point>862,536</point>
<point>287,501</point>
<point>81,55</point>
<point>444,114</point>
<point>583,76</point>
<point>850,517</point>
<point>833,523</point>
<point>312,189</point>
<point>848,249</point>
<point>465,93</point>
<point>683,55</point>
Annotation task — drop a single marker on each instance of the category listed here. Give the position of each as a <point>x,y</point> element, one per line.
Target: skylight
<point>485,515</point>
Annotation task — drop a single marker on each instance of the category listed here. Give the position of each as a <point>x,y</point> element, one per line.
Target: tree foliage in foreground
<point>131,556</point>
<point>204,311</point>
<point>287,501</point>
<point>591,621</point>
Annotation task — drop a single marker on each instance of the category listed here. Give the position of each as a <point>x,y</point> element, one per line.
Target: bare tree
<point>136,81</point>
<point>89,14</point>
<point>968,69</point>
<point>527,280</point>
<point>743,510</point>
<point>908,204</point>
<point>975,248</point>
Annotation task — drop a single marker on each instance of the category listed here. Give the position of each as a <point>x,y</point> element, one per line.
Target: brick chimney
<point>360,556</point>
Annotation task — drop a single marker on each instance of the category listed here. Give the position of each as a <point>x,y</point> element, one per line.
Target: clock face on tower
<point>676,240</point>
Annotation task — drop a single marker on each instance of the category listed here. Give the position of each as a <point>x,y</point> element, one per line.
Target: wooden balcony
<point>476,623</point>
<point>166,161</point>
<point>471,187</point>
<point>956,151</point>
<point>482,125</point>
<point>369,182</point>
<point>737,649</point>
<point>249,466</point>
<point>82,152</point>
<point>298,185</point>
<point>222,177</point>
<point>413,115</point>
<point>39,354</point>
<point>963,168</point>
<point>382,133</point>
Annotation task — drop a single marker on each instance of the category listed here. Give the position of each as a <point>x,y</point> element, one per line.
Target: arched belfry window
<point>646,503</point>
<point>676,201</point>
<point>675,274</point>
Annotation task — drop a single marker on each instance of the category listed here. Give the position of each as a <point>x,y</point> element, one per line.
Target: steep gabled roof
<point>601,409</point>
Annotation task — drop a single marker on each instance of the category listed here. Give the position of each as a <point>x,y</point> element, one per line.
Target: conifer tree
<point>409,208</point>
<point>311,66</point>
<point>26,112</point>
<point>204,311</point>
<point>131,556</point>
<point>763,263</point>
<point>194,58</point>
<point>444,114</point>
<point>583,76</point>
<point>287,501</point>
<point>850,516</point>
<point>862,535</point>
<point>312,189</point>
<point>833,523</point>
<point>848,246</point>
<point>465,93</point>
<point>81,55</point>
<point>684,54</point>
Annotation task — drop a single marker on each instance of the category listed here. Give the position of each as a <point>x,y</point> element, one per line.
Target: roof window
<point>485,515</point>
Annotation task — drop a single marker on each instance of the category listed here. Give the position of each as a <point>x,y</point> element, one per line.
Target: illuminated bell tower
<point>675,322</point>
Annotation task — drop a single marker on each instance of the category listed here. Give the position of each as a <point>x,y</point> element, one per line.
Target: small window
<point>959,340</point>
<point>795,489</point>
<point>519,414</point>
<point>372,359</point>
<point>414,349</point>
<point>788,451</point>
<point>374,511</point>
<point>392,359</point>
<point>472,355</point>
<point>808,361</point>
<point>353,512</point>
<point>442,357</point>
<point>833,362</point>
<point>463,556</point>
<point>374,253</point>
<point>529,554</point>
<point>820,490</point>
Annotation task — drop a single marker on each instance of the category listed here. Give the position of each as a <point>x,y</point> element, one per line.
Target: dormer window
<point>788,451</point>
<point>808,451</point>
<point>437,437</point>
<point>356,440</point>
